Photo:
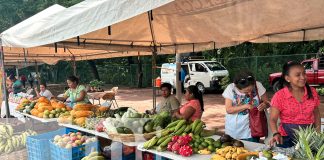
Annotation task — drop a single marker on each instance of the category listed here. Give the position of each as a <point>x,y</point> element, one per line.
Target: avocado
<point>225,138</point>
<point>238,143</point>
<point>217,144</point>
<point>226,144</point>
<point>128,131</point>
<point>120,130</point>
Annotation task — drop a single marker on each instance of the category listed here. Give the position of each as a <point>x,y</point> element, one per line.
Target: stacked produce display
<point>72,140</point>
<point>17,98</point>
<point>82,113</point>
<point>43,108</point>
<point>131,122</point>
<point>9,141</point>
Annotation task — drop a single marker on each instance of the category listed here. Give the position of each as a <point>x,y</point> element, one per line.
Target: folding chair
<point>110,97</point>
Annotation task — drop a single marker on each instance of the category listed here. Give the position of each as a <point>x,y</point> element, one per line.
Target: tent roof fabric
<point>109,28</point>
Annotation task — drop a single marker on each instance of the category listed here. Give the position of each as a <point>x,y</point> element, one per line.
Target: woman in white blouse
<point>43,91</point>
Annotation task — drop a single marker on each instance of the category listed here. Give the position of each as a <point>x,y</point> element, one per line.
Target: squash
<point>54,103</point>
<point>72,112</point>
<point>34,112</point>
<point>36,105</point>
<point>42,108</point>
<point>244,155</point>
<point>40,115</point>
<point>79,114</point>
<point>103,108</point>
<point>42,104</point>
<point>83,107</point>
<point>59,105</point>
<point>43,99</point>
<point>80,121</point>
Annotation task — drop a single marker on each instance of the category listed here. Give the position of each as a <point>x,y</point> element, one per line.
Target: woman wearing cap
<point>296,104</point>
<point>243,94</point>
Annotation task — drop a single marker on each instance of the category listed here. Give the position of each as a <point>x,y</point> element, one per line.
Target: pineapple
<point>309,144</point>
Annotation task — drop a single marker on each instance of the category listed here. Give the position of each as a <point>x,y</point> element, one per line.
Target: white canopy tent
<point>180,26</point>
<point>170,26</point>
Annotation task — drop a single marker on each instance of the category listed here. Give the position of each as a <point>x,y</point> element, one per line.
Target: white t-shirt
<point>238,125</point>
<point>46,94</point>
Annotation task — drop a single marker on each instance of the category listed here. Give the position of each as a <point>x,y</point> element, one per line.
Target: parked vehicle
<point>314,71</point>
<point>203,74</point>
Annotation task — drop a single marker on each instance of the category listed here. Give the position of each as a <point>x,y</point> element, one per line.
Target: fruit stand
<point>248,145</point>
<point>158,134</point>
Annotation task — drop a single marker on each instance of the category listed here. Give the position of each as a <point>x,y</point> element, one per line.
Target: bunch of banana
<point>93,156</point>
<point>178,127</point>
<point>10,142</point>
<point>229,152</point>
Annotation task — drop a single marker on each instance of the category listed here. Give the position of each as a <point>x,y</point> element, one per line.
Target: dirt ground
<point>213,116</point>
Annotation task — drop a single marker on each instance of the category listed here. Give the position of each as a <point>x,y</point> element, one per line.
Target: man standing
<point>31,80</point>
<point>23,79</point>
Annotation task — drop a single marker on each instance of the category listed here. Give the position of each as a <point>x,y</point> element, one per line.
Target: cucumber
<point>180,124</point>
<point>181,130</point>
<point>166,141</point>
<point>172,124</point>
<point>188,128</point>
<point>162,139</point>
<point>194,124</point>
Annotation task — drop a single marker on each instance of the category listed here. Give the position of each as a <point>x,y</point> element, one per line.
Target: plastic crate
<point>38,147</point>
<point>75,153</point>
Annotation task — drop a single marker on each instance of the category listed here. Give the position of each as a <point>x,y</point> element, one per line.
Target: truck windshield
<point>214,66</point>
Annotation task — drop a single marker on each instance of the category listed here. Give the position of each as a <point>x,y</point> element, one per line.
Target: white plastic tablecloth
<point>12,107</point>
<point>248,145</point>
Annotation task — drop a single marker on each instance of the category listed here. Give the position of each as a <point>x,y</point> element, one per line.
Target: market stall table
<point>37,118</point>
<point>248,145</point>
<point>12,109</point>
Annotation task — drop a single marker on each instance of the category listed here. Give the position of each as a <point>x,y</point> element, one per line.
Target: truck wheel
<point>201,87</point>
<point>276,86</point>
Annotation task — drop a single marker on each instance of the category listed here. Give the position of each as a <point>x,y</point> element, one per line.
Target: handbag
<point>258,120</point>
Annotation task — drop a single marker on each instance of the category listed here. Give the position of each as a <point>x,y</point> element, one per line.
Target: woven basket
<point>131,137</point>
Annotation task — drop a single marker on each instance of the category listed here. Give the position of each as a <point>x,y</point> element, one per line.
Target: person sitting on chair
<point>43,91</point>
<point>169,103</point>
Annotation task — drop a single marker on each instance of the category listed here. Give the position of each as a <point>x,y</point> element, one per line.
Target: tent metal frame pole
<point>4,85</point>
<point>154,54</point>
<point>37,75</point>
<point>17,71</point>
<point>74,65</point>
